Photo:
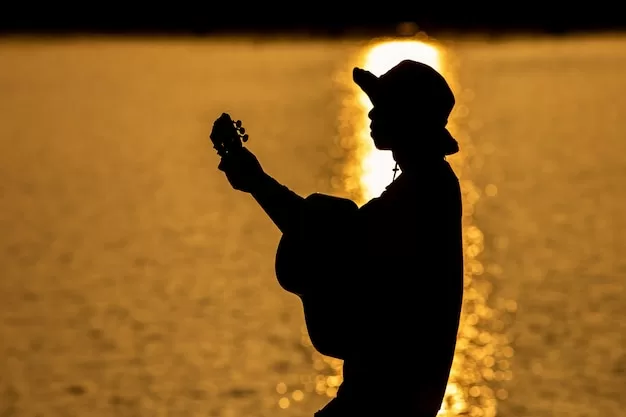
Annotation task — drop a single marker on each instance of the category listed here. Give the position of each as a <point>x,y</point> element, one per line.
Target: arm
<point>282,205</point>
<point>244,172</point>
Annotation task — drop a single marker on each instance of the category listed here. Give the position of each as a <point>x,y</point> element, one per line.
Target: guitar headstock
<point>227,135</point>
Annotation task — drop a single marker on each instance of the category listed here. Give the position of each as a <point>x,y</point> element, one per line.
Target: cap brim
<point>367,81</point>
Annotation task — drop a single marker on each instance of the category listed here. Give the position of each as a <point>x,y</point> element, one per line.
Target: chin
<point>381,144</point>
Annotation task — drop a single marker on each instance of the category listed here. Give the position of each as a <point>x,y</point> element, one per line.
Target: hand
<point>242,169</point>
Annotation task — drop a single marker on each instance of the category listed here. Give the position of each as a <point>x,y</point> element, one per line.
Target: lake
<point>136,282</point>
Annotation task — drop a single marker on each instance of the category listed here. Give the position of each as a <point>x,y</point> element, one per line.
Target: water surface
<point>136,282</point>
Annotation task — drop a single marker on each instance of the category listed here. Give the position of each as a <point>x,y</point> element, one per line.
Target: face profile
<point>382,128</point>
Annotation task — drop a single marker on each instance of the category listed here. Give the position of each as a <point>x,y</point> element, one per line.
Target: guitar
<point>313,259</point>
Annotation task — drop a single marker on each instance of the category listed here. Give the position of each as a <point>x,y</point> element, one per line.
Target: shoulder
<point>329,199</point>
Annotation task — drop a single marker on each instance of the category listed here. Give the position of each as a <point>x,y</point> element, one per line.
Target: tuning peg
<point>242,130</point>
<point>238,123</point>
<point>245,138</point>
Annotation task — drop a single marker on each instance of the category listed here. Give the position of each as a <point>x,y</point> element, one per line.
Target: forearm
<point>281,204</point>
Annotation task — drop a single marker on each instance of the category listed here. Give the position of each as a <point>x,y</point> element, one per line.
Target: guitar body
<point>312,262</point>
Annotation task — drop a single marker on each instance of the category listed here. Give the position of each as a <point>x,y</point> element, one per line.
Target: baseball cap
<point>418,88</point>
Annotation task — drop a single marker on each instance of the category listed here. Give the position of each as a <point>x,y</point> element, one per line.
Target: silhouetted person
<point>382,284</point>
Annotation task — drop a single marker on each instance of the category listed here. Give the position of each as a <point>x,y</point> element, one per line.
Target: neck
<point>414,162</point>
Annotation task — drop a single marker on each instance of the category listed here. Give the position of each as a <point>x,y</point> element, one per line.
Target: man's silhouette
<point>386,289</point>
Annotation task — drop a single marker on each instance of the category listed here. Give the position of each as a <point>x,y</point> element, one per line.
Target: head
<point>411,106</point>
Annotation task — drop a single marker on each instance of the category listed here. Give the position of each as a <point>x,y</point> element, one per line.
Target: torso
<point>406,302</point>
